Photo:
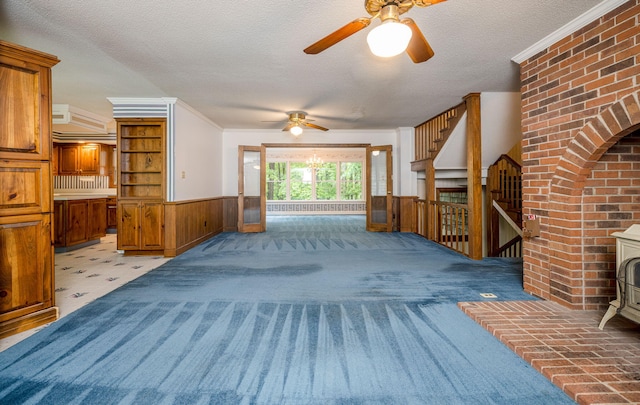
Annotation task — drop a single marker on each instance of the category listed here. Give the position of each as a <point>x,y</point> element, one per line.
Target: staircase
<point>504,208</point>
<point>431,135</point>
<point>456,226</point>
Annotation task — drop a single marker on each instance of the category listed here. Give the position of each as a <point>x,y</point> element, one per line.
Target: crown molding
<point>568,29</point>
<point>142,100</point>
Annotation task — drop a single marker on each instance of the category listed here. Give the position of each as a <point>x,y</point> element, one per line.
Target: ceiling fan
<point>392,37</point>
<point>298,120</point>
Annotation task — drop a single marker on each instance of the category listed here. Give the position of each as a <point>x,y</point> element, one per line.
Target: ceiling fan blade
<point>419,49</point>
<point>337,36</point>
<point>307,124</point>
<point>289,126</point>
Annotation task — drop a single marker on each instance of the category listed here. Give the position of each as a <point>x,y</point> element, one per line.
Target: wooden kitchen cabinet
<point>112,217</point>
<point>68,159</point>
<point>96,218</point>
<point>141,185</point>
<point>79,159</point>
<point>76,226</point>
<point>55,160</point>
<point>79,223</point>
<point>27,297</point>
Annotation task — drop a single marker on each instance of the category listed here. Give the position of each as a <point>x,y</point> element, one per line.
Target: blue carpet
<point>314,311</point>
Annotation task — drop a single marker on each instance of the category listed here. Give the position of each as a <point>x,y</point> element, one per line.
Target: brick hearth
<point>592,366</point>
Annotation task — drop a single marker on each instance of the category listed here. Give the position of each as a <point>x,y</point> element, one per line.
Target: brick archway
<point>565,208</point>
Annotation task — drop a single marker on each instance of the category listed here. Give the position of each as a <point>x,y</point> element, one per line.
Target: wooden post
<point>430,195</point>
<point>474,174</point>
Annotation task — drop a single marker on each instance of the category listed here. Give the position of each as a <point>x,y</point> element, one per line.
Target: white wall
<point>500,128</point>
<point>406,181</point>
<point>197,154</point>
<point>234,137</point>
<point>501,124</point>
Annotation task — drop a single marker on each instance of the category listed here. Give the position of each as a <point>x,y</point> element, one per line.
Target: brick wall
<point>581,172</point>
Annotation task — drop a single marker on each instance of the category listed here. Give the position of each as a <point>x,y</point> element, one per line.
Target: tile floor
<point>86,274</point>
<point>592,366</point>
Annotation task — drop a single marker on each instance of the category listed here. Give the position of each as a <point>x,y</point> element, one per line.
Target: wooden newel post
<point>474,175</point>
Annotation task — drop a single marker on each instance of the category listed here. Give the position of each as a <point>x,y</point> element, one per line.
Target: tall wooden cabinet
<point>141,185</point>
<point>27,296</point>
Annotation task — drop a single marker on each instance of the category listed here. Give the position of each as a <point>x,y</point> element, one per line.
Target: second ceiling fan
<point>298,120</point>
<point>392,37</point>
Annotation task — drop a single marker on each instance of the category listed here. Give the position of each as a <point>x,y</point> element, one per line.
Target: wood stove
<point>627,302</point>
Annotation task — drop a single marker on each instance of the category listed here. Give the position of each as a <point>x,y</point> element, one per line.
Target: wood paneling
<point>406,213</point>
<point>230,214</point>
<point>188,223</point>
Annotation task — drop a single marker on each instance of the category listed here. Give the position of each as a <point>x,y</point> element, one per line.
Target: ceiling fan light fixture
<point>296,130</point>
<point>389,39</point>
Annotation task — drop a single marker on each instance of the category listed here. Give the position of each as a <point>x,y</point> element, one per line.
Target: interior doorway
<point>317,179</point>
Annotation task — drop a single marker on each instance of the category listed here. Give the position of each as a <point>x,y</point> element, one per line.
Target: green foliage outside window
<point>351,180</point>
<point>300,181</point>
<point>326,182</point>
<point>277,181</point>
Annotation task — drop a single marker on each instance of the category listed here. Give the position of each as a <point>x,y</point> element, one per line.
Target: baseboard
<point>29,321</point>
<point>193,243</point>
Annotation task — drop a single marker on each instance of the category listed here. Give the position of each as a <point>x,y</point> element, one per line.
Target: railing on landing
<point>432,134</point>
<point>448,224</point>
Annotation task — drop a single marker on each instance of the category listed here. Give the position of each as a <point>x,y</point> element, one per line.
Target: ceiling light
<point>296,130</point>
<point>390,38</point>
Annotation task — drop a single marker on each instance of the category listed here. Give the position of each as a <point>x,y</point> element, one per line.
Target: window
<point>300,181</point>
<point>277,181</point>
<point>332,181</point>
<point>326,182</point>
<point>452,195</point>
<point>351,180</point>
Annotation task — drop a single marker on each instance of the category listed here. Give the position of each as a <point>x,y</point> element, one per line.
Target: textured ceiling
<point>241,62</point>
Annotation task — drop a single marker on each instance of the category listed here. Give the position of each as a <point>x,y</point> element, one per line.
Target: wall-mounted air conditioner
<point>72,120</point>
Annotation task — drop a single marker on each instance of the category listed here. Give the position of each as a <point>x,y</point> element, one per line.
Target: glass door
<point>251,189</point>
<point>379,189</point>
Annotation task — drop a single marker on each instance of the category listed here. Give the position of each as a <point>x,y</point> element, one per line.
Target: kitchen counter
<point>66,195</point>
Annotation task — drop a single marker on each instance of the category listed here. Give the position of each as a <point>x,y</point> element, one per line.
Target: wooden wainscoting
<point>188,223</point>
<point>406,214</point>
<point>230,214</point>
